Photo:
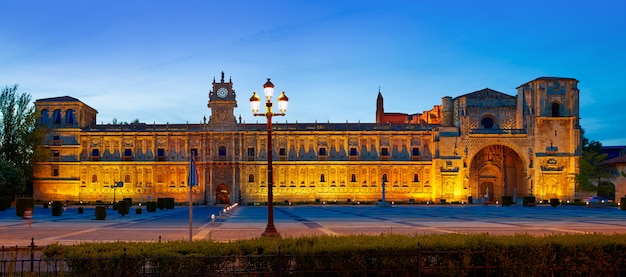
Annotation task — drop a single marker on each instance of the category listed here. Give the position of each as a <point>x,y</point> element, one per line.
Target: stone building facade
<point>478,146</point>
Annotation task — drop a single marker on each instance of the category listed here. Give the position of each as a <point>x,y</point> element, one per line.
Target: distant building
<point>478,146</point>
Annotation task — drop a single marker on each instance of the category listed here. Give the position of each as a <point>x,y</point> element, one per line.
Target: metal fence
<point>28,261</point>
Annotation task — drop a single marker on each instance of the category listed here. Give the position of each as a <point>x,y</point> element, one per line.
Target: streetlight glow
<point>255,103</point>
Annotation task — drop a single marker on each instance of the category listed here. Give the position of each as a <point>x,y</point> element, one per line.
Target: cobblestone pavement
<point>246,222</point>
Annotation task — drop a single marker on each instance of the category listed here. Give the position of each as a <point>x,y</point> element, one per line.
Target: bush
<point>46,205</point>
<point>81,210</point>
<point>554,202</point>
<point>507,200</point>
<point>161,203</point>
<point>21,203</point>
<point>151,206</point>
<point>138,210</point>
<point>622,203</point>
<point>529,201</point>
<point>57,208</point>
<point>123,208</point>
<point>169,203</point>
<point>101,212</point>
<point>115,206</point>
<point>129,200</point>
<point>5,203</point>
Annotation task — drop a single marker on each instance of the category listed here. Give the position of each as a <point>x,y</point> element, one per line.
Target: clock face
<point>222,92</point>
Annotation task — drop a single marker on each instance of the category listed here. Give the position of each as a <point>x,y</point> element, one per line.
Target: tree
<point>19,139</point>
<point>590,172</point>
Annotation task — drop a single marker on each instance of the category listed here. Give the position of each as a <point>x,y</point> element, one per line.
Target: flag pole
<point>191,182</point>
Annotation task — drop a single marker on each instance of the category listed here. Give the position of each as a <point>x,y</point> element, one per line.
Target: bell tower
<point>222,102</point>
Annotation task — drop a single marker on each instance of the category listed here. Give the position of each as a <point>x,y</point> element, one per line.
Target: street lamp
<point>255,103</point>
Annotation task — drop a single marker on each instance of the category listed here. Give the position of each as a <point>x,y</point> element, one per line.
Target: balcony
<point>497,131</point>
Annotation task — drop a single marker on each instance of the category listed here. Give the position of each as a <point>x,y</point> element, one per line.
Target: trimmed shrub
<point>5,203</point>
<point>129,200</point>
<point>123,208</point>
<point>57,208</point>
<point>22,203</point>
<point>507,200</point>
<point>622,203</point>
<point>554,202</point>
<point>151,206</point>
<point>138,210</point>
<point>529,201</point>
<point>81,210</point>
<point>101,212</point>
<point>46,205</point>
<point>169,203</point>
<point>115,206</point>
<point>161,203</point>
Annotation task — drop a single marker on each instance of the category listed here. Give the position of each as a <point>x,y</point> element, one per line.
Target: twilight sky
<point>155,60</point>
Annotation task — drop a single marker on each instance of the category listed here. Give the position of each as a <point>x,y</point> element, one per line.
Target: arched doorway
<point>222,194</point>
<point>496,171</point>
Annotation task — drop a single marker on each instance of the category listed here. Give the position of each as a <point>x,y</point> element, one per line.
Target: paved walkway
<point>293,221</point>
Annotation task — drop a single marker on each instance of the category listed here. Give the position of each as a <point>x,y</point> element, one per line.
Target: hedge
<point>22,203</point>
<point>451,254</point>
<point>5,203</point>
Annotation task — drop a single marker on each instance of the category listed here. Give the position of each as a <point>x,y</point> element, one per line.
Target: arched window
<point>353,178</point>
<point>416,178</point>
<point>322,178</point>
<point>222,151</point>
<point>160,179</point>
<point>69,117</point>
<point>56,117</point>
<point>487,123</point>
<point>127,178</point>
<point>251,178</point>
<point>94,178</point>
<point>556,109</point>
<point>385,178</point>
<point>45,117</point>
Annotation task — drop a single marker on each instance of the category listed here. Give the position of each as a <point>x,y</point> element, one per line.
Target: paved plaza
<point>245,222</point>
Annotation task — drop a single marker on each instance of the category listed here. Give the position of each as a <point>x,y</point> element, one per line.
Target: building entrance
<point>497,171</point>
<point>222,194</point>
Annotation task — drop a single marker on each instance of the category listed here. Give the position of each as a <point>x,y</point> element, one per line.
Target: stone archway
<point>222,194</point>
<point>496,171</point>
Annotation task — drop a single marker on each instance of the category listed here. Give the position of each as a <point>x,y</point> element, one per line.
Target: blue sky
<point>155,60</point>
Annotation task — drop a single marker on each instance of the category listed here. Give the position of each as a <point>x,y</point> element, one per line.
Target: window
<point>322,178</point>
<point>56,156</point>
<point>353,178</point>
<point>44,117</point>
<point>415,151</point>
<point>322,151</point>
<point>94,178</point>
<point>55,171</point>
<point>251,178</point>
<point>95,154</point>
<point>251,154</point>
<point>69,117</point>
<point>56,117</point>
<point>416,178</point>
<point>353,151</point>
<point>555,109</point>
<point>160,154</point>
<point>128,154</point>
<point>127,178</point>
<point>487,123</point>
<point>282,151</point>
<point>385,178</point>
<point>222,151</point>
<point>384,152</point>
<point>194,152</point>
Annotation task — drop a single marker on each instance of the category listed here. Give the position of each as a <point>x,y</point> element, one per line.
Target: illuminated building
<point>482,145</point>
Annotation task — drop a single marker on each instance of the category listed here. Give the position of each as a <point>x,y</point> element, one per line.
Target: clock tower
<point>222,102</point>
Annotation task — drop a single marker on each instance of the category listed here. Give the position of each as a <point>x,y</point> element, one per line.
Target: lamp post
<point>255,103</point>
